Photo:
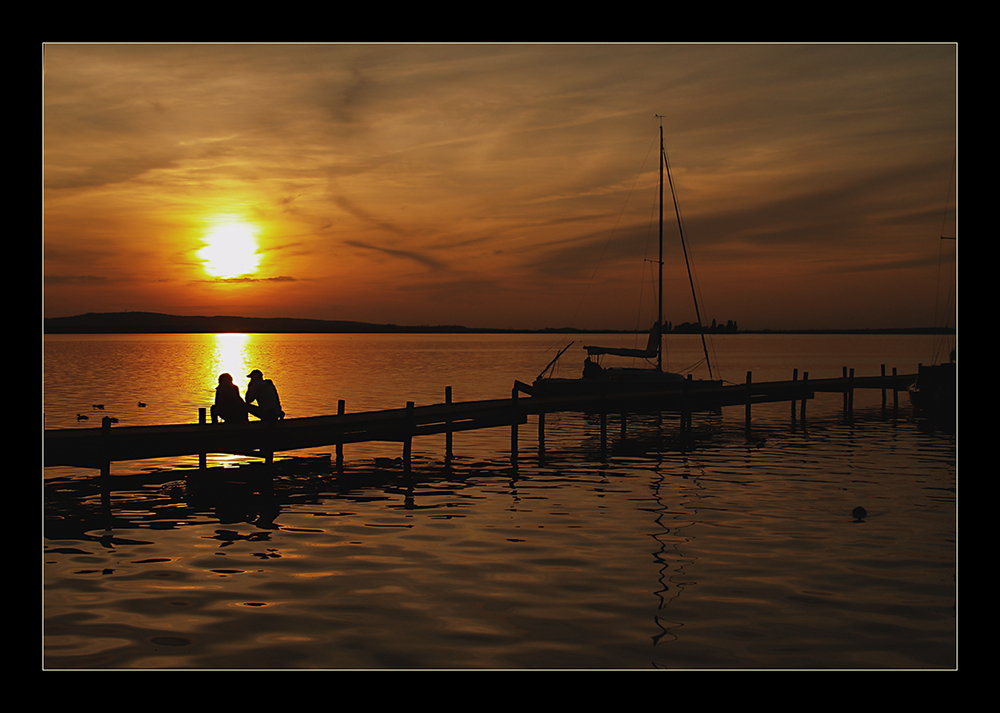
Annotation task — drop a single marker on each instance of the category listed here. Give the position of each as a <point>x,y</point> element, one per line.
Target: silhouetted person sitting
<point>263,391</point>
<point>229,405</point>
<point>591,369</point>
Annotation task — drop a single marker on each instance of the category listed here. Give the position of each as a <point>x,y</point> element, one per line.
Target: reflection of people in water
<point>229,405</point>
<point>263,391</point>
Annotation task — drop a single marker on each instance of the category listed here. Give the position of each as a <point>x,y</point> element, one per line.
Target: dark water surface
<point>735,552</point>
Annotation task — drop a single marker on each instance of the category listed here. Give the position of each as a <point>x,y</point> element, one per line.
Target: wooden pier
<point>100,447</point>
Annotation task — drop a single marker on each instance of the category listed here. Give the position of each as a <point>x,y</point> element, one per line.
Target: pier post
<point>513,426</point>
<point>746,417</point>
<point>408,437</point>
<point>604,423</point>
<point>686,404</point>
<point>684,424</point>
<point>850,394</point>
<point>203,455</point>
<point>895,394</point>
<point>267,449</point>
<point>848,390</point>
<point>802,413</point>
<point>604,430</point>
<point>265,482</point>
<point>106,465</point>
<point>883,389</point>
<point>341,408</point>
<point>448,436</point>
<point>795,377</point>
<point>541,432</point>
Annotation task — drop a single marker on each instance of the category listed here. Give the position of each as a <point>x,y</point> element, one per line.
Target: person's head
<point>255,375</point>
<point>225,378</point>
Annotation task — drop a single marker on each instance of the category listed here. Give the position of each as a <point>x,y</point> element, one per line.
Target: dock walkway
<point>100,447</point>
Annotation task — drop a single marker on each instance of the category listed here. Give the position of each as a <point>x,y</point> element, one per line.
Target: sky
<point>504,186</point>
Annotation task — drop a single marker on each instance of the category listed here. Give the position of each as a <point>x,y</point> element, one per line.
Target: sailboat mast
<point>659,346</point>
<point>680,228</point>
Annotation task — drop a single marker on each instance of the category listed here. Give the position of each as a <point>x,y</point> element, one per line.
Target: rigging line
<point>709,338</point>
<point>947,200</point>
<point>638,311</point>
<point>694,293</point>
<point>941,341</point>
<point>652,273</point>
<point>649,237</point>
<point>706,338</point>
<point>709,344</point>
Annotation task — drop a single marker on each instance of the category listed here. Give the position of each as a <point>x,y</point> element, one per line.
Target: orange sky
<point>500,185</point>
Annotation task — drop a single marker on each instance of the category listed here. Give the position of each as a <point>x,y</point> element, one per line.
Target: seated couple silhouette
<point>261,400</point>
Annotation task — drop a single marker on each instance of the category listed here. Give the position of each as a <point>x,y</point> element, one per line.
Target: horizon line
<point>375,327</point>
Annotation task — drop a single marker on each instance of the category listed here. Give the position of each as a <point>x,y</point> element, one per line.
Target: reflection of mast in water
<point>669,557</point>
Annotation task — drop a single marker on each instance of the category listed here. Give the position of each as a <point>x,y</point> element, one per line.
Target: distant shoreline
<point>155,323</point>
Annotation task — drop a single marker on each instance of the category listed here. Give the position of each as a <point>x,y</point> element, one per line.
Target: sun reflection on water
<point>231,356</point>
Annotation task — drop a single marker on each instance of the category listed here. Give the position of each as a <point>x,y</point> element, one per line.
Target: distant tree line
<point>730,327</point>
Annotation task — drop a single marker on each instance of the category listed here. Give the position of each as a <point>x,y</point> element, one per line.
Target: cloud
<point>75,279</point>
<point>248,278</point>
<point>487,164</point>
<point>410,255</point>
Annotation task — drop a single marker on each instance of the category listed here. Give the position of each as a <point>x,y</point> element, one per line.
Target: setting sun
<point>230,250</point>
<point>274,180</point>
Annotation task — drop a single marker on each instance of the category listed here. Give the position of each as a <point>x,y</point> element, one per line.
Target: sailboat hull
<point>618,382</point>
<point>933,394</point>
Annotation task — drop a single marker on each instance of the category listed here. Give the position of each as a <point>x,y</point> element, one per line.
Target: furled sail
<point>651,350</point>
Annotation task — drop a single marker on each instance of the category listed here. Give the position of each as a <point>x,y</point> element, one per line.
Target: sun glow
<point>230,250</point>
<point>231,355</point>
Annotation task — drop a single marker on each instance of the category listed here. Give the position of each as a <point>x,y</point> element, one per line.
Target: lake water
<point>736,552</point>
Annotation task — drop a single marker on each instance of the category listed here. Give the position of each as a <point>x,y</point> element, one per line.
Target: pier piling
<point>895,394</point>
<point>802,412</point>
<point>686,409</point>
<point>408,437</point>
<point>795,378</point>
<point>604,424</point>
<point>341,409</point>
<point>848,389</point>
<point>850,394</point>
<point>513,427</point>
<point>448,437</point>
<point>541,433</point>
<point>203,454</point>
<point>882,371</point>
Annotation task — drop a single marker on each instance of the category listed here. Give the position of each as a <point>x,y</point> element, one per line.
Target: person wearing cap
<point>263,391</point>
<point>229,405</point>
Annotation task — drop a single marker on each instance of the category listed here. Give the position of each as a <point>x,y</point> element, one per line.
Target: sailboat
<point>597,378</point>
<point>934,393</point>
